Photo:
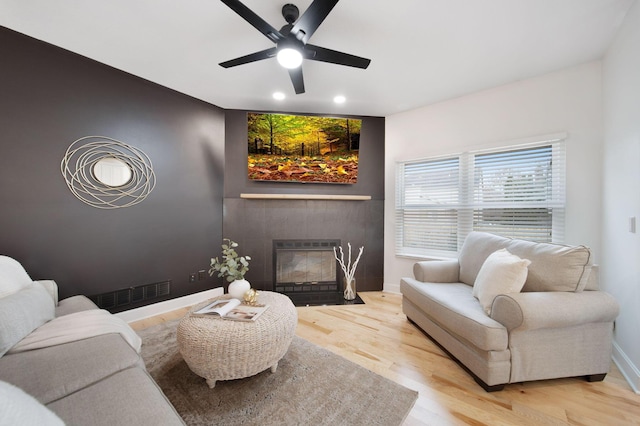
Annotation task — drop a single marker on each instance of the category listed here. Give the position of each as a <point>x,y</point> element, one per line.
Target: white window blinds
<point>516,192</point>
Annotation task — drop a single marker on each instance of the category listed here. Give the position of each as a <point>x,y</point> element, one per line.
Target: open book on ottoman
<point>231,309</point>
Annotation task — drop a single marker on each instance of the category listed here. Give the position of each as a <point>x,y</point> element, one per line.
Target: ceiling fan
<point>291,41</point>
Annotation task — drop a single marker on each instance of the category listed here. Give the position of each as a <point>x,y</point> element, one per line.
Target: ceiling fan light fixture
<point>289,58</point>
<point>278,96</point>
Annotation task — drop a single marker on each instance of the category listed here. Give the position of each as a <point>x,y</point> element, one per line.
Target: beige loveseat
<point>559,325</point>
<point>69,362</point>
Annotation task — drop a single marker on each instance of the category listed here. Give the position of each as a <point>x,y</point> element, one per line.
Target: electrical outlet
<point>202,275</point>
<point>192,277</point>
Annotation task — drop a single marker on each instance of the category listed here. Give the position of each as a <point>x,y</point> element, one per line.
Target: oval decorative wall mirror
<point>106,173</point>
<point>112,172</point>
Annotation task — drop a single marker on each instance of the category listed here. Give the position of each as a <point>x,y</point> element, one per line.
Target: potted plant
<point>232,267</point>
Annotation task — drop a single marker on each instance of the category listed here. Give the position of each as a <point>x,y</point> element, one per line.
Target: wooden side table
<point>219,349</point>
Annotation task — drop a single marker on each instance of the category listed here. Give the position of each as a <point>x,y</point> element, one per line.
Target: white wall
<point>621,190</point>
<point>566,101</point>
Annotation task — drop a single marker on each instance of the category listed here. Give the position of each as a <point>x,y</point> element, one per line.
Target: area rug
<point>311,386</point>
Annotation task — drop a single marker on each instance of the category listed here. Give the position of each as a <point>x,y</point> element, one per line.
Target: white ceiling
<point>422,51</point>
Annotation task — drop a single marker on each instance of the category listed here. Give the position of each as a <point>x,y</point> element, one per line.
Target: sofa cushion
<point>13,277</point>
<point>19,408</point>
<point>554,267</point>
<point>475,250</point>
<point>128,397</point>
<point>501,273</point>
<point>54,372</point>
<point>52,289</point>
<point>23,312</point>
<point>453,307</point>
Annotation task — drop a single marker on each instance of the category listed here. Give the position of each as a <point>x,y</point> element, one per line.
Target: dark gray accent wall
<point>50,97</point>
<point>255,223</point>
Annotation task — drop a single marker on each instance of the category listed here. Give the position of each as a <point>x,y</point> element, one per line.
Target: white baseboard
<point>626,367</point>
<point>169,305</point>
<point>391,287</point>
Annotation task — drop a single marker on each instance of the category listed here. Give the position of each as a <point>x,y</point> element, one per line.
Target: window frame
<point>466,207</point>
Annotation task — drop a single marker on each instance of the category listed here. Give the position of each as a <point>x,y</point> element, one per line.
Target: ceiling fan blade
<point>252,57</point>
<point>259,23</point>
<point>297,80</point>
<point>317,53</point>
<point>312,18</point>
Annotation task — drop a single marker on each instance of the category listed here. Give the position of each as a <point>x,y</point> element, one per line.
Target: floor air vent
<point>127,296</point>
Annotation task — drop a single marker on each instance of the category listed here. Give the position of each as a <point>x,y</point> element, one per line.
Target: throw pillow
<point>23,312</point>
<point>12,276</point>
<point>19,408</point>
<point>501,273</point>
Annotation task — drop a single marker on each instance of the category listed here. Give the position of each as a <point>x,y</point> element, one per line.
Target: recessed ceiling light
<point>278,96</point>
<point>339,99</point>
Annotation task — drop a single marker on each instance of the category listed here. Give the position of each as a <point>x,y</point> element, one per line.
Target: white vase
<point>238,288</point>
<point>349,289</point>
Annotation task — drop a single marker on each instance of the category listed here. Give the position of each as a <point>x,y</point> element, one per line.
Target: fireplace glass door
<point>305,266</point>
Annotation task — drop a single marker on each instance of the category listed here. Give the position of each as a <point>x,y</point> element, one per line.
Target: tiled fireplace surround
<point>255,223</point>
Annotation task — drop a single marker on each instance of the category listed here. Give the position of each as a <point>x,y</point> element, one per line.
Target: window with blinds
<point>515,192</point>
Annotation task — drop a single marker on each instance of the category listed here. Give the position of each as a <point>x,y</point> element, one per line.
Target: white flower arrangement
<point>349,270</point>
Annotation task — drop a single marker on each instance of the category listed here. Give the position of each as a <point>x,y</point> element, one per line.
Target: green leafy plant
<point>232,266</point>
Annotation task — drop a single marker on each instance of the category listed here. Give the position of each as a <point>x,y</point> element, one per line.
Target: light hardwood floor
<point>378,336</point>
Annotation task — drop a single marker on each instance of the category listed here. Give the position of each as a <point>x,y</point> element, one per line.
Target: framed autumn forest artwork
<point>298,148</point>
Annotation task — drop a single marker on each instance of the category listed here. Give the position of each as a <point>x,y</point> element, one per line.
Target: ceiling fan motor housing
<point>290,13</point>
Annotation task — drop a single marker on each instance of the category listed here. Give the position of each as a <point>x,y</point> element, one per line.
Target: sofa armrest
<point>51,287</point>
<point>553,309</point>
<point>74,304</point>
<point>437,271</point>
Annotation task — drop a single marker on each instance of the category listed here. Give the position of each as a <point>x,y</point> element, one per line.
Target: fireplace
<point>306,271</point>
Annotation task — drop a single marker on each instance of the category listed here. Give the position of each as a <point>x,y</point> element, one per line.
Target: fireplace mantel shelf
<point>305,197</point>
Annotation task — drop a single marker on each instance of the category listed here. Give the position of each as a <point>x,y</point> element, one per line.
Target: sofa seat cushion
<point>128,397</point>
<point>554,267</point>
<point>52,373</point>
<point>453,307</point>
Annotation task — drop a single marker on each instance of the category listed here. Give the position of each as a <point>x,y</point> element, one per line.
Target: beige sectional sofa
<point>558,325</point>
<point>68,362</point>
